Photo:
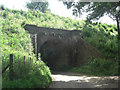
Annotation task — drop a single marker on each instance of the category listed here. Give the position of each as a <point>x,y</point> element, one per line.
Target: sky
<point>55,6</point>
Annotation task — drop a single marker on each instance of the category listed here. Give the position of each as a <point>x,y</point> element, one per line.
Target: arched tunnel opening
<point>53,53</point>
<point>62,48</point>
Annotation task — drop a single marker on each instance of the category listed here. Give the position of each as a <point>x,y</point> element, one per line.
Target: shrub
<point>18,16</point>
<point>102,40</point>
<point>34,75</point>
<point>16,40</point>
<point>5,14</point>
<point>98,67</point>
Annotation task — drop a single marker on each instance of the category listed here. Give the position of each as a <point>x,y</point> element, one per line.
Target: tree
<point>42,6</point>
<point>2,7</point>
<point>95,9</point>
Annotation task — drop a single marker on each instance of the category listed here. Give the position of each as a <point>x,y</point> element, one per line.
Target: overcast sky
<point>55,6</point>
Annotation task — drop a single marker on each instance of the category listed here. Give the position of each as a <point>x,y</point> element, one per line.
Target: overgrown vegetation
<point>101,36</point>
<point>36,74</point>
<point>104,38</point>
<point>97,67</point>
<point>15,40</point>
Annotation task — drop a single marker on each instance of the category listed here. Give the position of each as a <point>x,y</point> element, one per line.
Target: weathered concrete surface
<point>60,48</point>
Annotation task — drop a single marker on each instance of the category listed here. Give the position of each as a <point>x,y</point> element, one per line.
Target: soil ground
<point>75,80</point>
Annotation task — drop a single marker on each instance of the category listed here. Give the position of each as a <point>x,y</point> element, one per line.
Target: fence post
<point>24,60</point>
<point>30,60</point>
<point>11,67</point>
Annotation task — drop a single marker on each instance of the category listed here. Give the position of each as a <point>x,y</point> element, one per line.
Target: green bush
<point>34,75</point>
<point>104,41</point>
<point>98,67</point>
<point>5,14</point>
<point>18,16</point>
<point>15,40</point>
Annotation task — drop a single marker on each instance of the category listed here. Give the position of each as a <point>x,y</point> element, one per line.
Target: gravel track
<point>74,80</point>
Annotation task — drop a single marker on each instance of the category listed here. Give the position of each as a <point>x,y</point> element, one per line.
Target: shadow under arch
<point>54,53</point>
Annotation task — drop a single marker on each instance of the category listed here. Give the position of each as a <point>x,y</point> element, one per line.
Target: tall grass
<point>98,67</point>
<point>104,38</point>
<point>15,40</point>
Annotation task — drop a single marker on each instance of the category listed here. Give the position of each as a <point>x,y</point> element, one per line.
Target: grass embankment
<point>104,38</point>
<point>15,40</point>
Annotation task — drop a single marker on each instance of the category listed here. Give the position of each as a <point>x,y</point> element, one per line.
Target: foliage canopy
<point>42,6</point>
<point>15,40</point>
<point>95,9</point>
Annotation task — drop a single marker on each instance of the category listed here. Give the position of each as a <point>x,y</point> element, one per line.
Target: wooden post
<point>34,41</point>
<point>36,44</point>
<point>30,60</point>
<point>11,67</point>
<point>24,60</point>
<point>35,36</point>
<point>5,68</point>
<point>29,45</point>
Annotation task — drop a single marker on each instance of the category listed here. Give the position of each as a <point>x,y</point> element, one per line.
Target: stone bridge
<point>61,48</point>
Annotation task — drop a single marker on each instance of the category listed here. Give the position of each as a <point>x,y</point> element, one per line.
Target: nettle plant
<point>103,37</point>
<point>15,40</point>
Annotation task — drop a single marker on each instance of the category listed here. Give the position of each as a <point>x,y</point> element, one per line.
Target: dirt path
<point>74,80</point>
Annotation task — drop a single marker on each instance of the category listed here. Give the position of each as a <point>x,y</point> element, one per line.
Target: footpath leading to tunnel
<point>75,80</point>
